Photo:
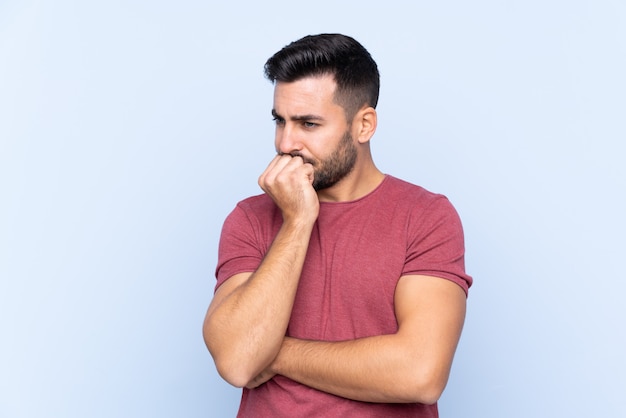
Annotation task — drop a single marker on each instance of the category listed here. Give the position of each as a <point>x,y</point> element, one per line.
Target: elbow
<point>230,368</point>
<point>228,364</point>
<point>425,386</point>
<point>236,376</point>
<point>430,395</point>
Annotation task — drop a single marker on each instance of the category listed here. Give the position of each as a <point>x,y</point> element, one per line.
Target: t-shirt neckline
<point>360,199</point>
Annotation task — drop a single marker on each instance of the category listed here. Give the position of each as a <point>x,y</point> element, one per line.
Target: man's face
<point>311,125</point>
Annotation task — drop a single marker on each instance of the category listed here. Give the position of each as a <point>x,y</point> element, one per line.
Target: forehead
<point>305,95</point>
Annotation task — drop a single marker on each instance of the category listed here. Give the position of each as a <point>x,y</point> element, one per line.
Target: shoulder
<point>412,195</point>
<point>258,202</point>
<point>257,212</point>
<point>422,209</point>
<point>259,206</point>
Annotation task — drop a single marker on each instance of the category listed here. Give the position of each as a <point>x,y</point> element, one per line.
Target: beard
<point>330,170</point>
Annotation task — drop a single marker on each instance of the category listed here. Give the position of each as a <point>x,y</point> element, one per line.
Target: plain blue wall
<point>128,130</point>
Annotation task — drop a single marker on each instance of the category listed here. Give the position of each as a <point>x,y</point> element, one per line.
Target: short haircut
<point>354,70</point>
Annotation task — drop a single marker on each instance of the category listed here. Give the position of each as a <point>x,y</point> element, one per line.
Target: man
<point>341,290</point>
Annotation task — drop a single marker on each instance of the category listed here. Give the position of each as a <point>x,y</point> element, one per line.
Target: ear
<point>364,124</point>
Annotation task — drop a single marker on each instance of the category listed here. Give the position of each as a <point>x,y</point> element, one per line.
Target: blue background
<point>129,129</point>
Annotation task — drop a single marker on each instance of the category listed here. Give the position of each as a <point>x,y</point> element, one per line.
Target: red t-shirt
<point>357,253</point>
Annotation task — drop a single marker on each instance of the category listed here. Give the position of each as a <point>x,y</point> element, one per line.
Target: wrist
<point>299,224</point>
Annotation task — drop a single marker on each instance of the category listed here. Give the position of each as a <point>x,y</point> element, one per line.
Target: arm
<point>248,316</point>
<point>411,365</point>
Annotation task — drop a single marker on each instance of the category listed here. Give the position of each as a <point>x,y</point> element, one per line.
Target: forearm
<point>246,324</point>
<point>374,369</point>
<point>411,365</point>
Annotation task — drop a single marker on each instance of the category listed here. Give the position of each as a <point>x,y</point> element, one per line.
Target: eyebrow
<point>298,117</point>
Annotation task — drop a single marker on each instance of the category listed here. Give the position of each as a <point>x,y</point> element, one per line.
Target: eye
<point>309,125</point>
<point>278,121</point>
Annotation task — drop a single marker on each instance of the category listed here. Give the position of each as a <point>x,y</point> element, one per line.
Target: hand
<point>289,182</point>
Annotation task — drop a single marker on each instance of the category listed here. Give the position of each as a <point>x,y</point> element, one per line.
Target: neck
<point>360,182</point>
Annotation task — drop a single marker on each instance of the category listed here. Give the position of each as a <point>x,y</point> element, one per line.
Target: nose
<point>287,141</point>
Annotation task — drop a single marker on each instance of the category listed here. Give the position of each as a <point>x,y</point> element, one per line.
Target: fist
<point>289,182</point>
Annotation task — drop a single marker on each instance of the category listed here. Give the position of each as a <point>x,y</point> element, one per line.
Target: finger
<point>271,167</point>
<point>306,169</point>
<point>280,164</point>
<point>310,172</point>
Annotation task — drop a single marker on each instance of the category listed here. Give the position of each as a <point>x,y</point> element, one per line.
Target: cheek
<point>277,139</point>
<point>327,141</point>
<point>318,148</point>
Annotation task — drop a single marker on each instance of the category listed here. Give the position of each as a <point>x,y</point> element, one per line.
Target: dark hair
<point>353,68</point>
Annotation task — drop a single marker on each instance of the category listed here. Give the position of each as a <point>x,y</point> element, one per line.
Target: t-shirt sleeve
<point>238,248</point>
<point>436,244</point>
